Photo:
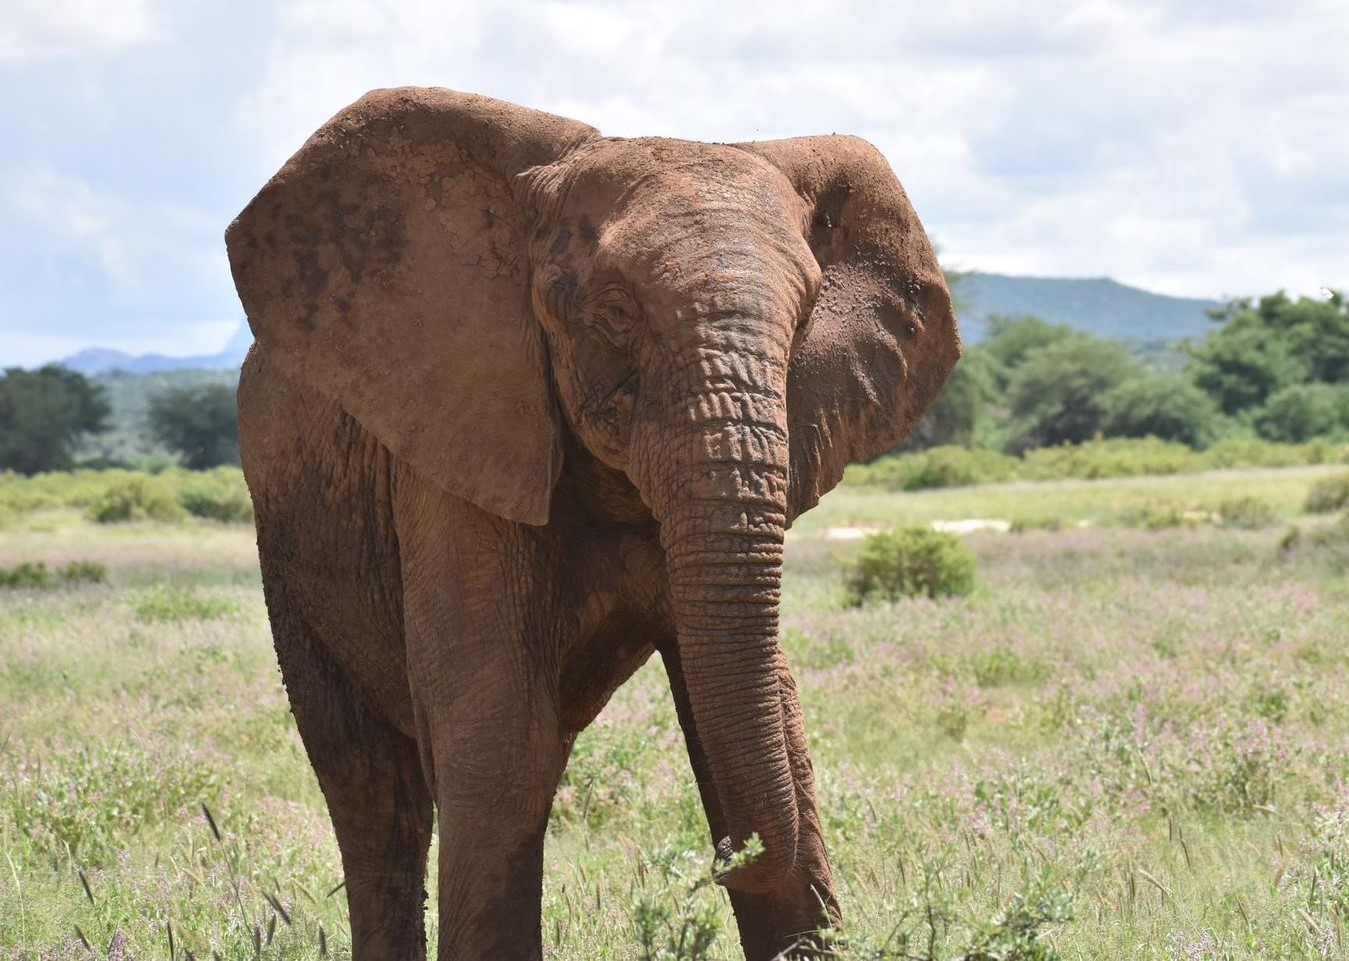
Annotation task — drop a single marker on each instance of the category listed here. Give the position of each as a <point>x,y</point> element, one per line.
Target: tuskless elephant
<point>525,405</point>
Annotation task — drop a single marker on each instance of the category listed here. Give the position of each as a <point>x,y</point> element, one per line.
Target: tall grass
<point>1123,743</point>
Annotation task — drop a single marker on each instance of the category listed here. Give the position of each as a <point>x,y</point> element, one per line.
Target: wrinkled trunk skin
<point>721,502</point>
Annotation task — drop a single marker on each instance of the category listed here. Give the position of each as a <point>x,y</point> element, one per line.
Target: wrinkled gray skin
<point>526,405</point>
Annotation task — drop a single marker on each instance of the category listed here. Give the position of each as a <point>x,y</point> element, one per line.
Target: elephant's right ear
<point>385,265</point>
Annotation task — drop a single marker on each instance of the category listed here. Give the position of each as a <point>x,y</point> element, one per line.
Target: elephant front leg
<point>491,749</point>
<point>484,695</point>
<point>783,922</point>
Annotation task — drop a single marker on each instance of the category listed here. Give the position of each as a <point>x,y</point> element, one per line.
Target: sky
<point>1190,147</point>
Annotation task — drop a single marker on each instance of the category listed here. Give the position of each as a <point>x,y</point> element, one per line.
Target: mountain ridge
<point>1096,305</point>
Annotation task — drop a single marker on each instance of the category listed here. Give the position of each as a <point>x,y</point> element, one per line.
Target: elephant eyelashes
<point>612,313</point>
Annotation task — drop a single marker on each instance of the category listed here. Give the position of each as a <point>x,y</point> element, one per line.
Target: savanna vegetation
<point>1105,721</point>
<point>1121,735</point>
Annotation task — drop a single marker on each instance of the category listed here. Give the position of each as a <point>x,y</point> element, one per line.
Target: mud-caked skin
<point>527,405</point>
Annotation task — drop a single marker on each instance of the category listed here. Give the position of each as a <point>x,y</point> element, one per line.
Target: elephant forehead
<point>619,180</point>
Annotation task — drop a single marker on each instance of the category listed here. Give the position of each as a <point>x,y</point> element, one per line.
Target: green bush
<point>1300,412</point>
<point>134,499</point>
<point>1336,535</point>
<point>36,575</point>
<point>170,603</point>
<point>910,562</point>
<point>218,495</point>
<point>934,468</point>
<point>1110,457</point>
<point>1245,513</point>
<point>84,572</point>
<point>26,575</point>
<point>1159,515</point>
<point>1328,495</point>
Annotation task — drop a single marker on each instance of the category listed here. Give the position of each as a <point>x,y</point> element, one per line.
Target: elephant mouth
<point>611,421</point>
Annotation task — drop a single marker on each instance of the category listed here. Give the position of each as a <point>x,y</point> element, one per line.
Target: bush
<point>910,562</point>
<point>1169,408</point>
<point>1112,457</point>
<point>36,575</point>
<point>934,468</point>
<point>1336,535</point>
<point>26,575</point>
<point>133,500</point>
<point>1328,495</point>
<point>1160,515</point>
<point>1300,412</point>
<point>218,495</point>
<point>1245,513</point>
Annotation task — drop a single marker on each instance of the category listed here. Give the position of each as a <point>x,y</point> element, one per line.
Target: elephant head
<point>728,325</point>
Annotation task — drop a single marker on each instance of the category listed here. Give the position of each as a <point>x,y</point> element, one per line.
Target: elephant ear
<point>385,265</point>
<point>882,336</point>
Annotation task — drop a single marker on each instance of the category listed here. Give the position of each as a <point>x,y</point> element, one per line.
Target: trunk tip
<point>750,868</point>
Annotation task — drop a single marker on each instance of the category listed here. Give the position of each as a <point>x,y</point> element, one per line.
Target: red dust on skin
<point>527,405</point>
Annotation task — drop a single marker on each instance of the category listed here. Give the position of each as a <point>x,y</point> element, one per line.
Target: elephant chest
<point>613,597</point>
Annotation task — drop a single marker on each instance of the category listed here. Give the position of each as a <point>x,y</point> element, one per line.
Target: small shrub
<point>133,500</point>
<point>1328,495</point>
<point>953,720</point>
<point>674,917</point>
<point>84,572</point>
<point>1291,538</point>
<point>910,562</point>
<point>1245,513</point>
<point>1043,522</point>
<point>1336,535</point>
<point>1109,457</point>
<point>999,666</point>
<point>36,575</point>
<point>168,603</point>
<point>219,496</point>
<point>27,575</point>
<point>1156,516</point>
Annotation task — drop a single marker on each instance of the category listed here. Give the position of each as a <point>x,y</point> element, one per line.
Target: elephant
<point>525,405</point>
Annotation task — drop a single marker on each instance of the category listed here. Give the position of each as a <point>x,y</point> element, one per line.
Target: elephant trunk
<point>722,524</point>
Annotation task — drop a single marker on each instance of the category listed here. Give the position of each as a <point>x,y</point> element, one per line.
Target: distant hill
<point>99,360</point>
<point>1099,306</point>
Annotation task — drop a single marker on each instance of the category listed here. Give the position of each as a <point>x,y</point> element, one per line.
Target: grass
<point>1126,742</point>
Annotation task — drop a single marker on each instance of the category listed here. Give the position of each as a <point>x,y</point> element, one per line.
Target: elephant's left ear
<point>882,336</point>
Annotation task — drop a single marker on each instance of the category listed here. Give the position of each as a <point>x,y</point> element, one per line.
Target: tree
<point>1058,392</point>
<point>1304,411</point>
<point>200,424</point>
<point>962,407</point>
<point>1242,364</point>
<point>1271,344</point>
<point>1012,339</point>
<point>43,413</point>
<point>1167,407</point>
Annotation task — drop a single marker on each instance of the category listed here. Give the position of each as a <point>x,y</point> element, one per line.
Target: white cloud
<point>34,30</point>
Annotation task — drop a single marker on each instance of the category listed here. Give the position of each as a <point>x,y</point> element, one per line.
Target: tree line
<point>46,414</point>
<point>1275,368</point>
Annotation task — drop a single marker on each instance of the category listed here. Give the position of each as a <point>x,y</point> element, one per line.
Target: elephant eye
<point>613,313</point>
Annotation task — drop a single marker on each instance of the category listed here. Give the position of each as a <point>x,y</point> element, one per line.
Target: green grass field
<point>1131,741</point>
